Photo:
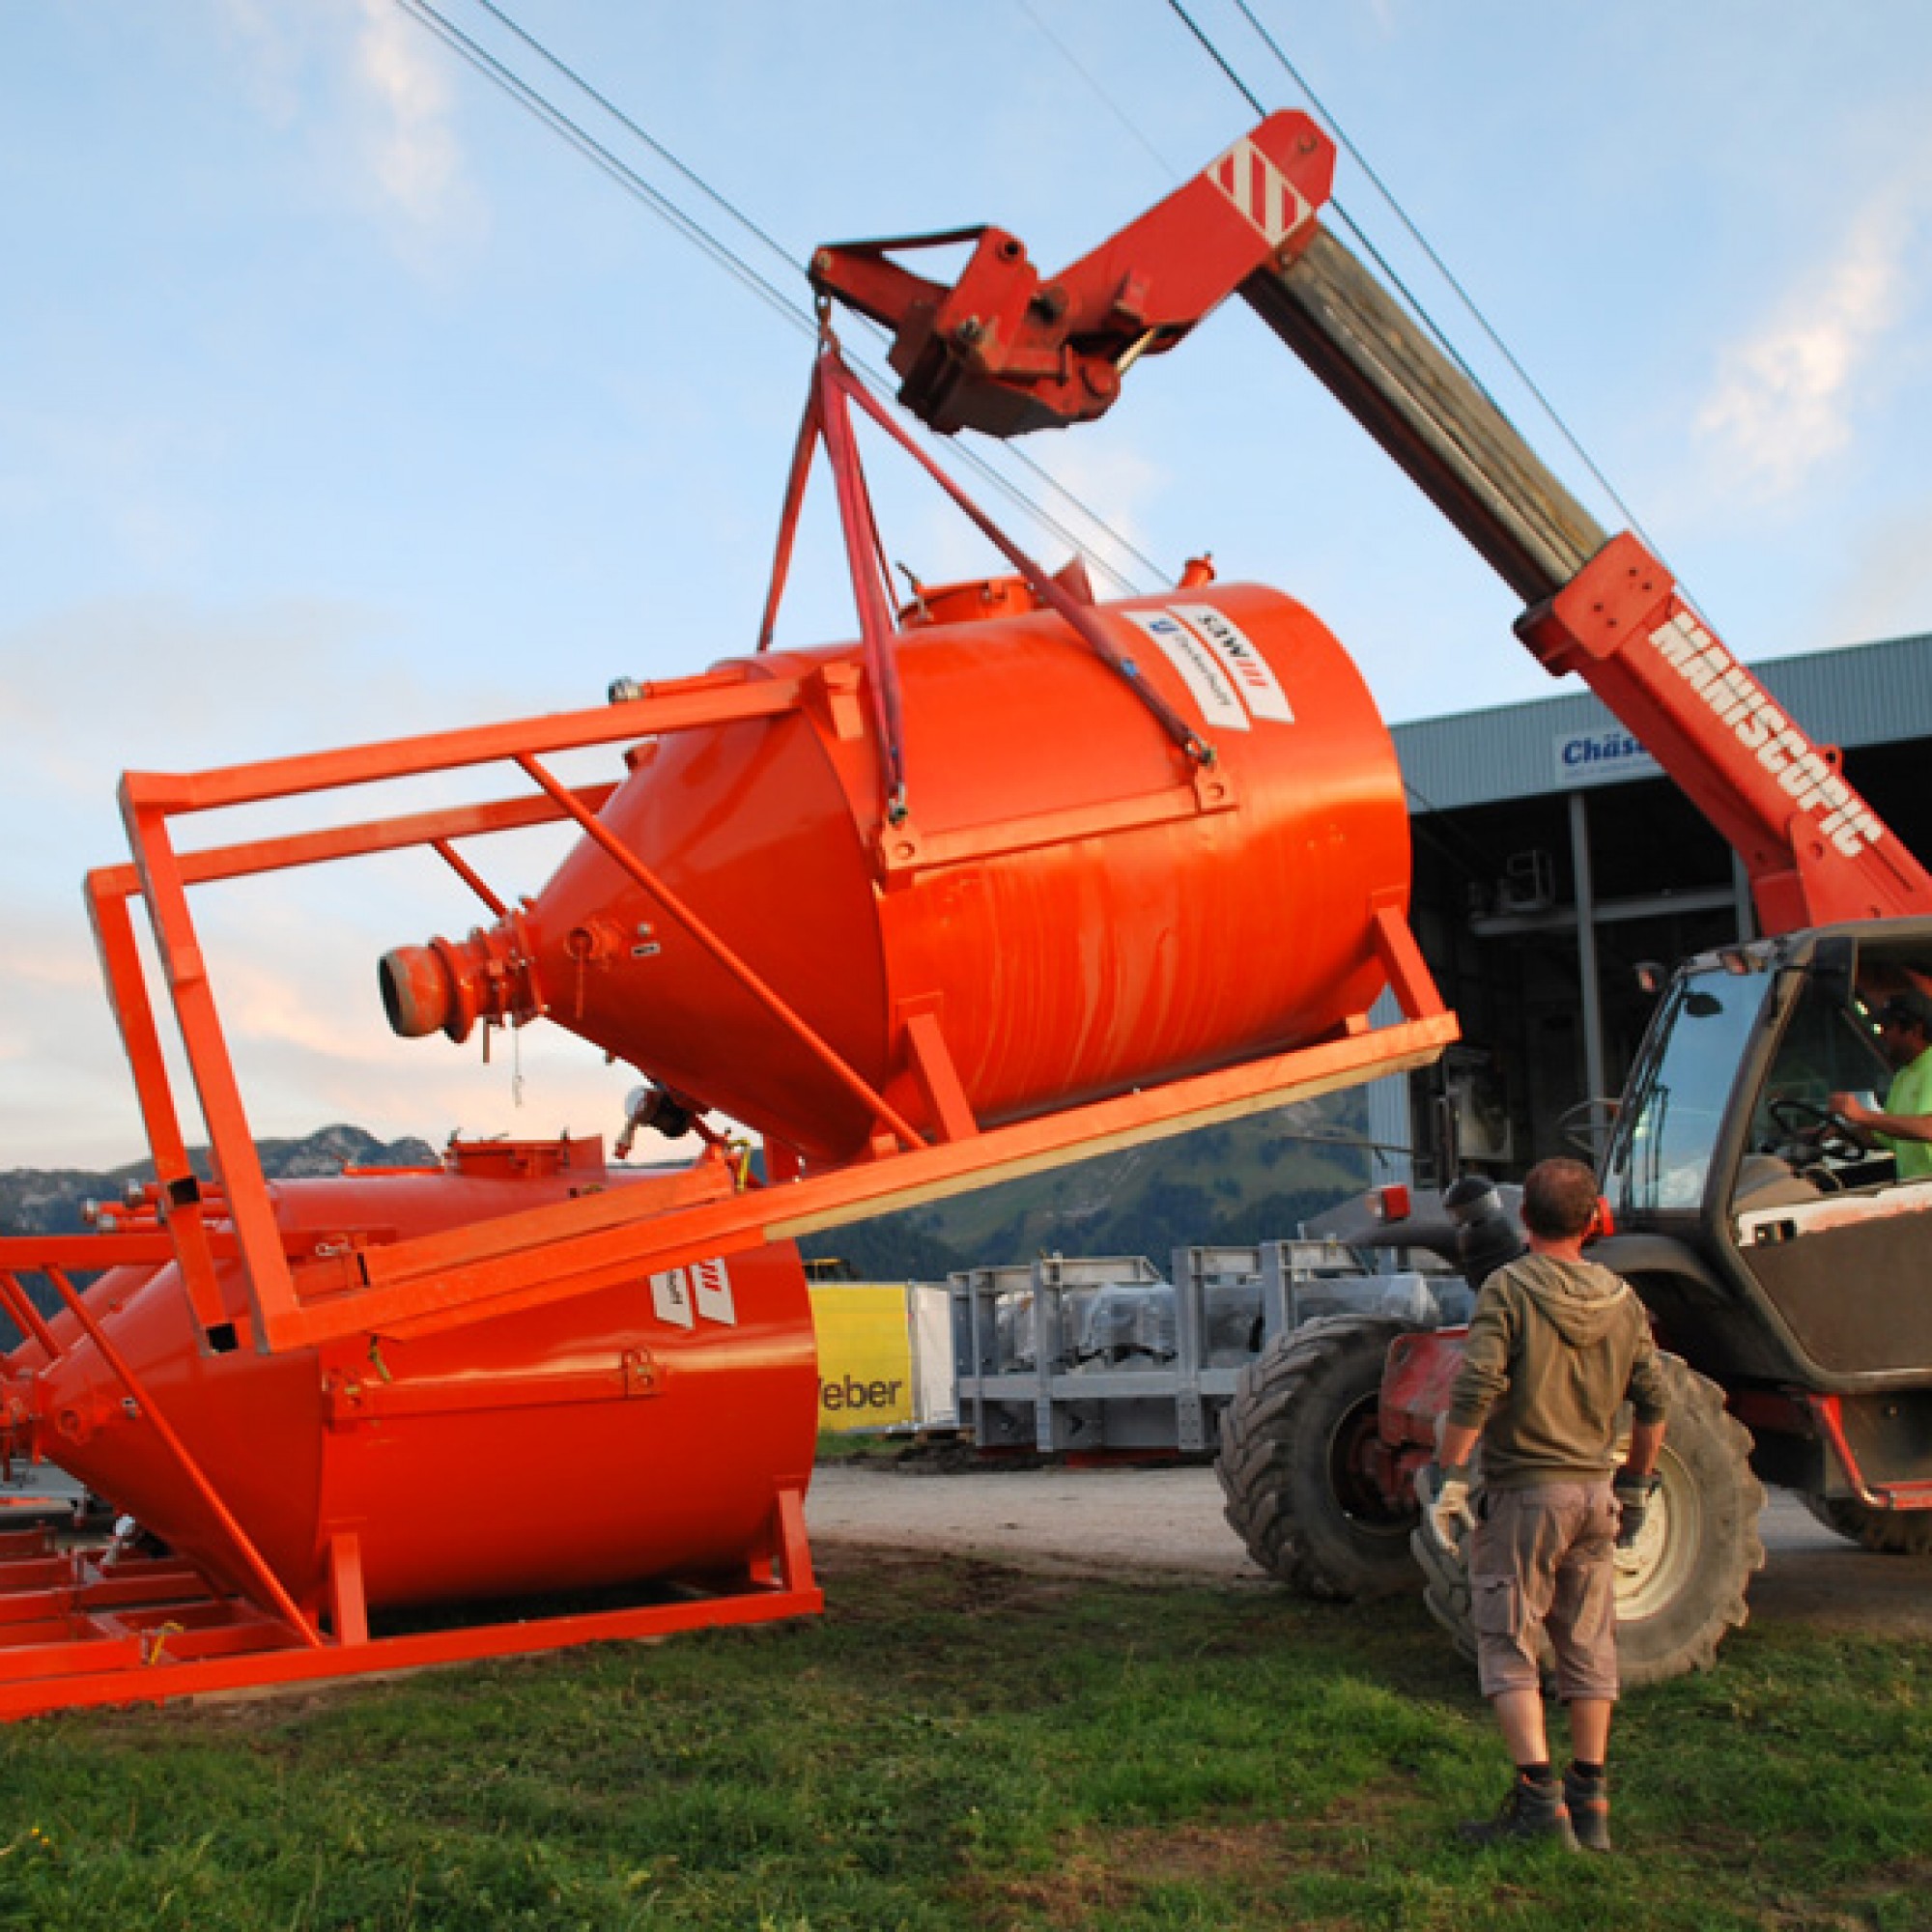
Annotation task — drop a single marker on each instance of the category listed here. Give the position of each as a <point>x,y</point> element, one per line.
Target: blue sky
<point>338,399</point>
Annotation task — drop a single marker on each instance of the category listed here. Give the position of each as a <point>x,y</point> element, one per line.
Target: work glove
<point>1632,1493</point>
<point>1450,1517</point>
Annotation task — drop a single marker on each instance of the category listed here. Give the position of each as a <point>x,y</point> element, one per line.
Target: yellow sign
<point>864,1354</point>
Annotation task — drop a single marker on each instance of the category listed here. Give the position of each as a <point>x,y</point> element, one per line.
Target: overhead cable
<point>777,248</point>
<point>643,134</point>
<point>1099,92</point>
<point>1441,267</point>
<point>793,310</point>
<point>1415,233</point>
<point>599,157</point>
<point>1416,306</point>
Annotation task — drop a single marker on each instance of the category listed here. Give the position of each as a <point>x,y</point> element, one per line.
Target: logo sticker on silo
<point>712,1281</point>
<point>670,1297</point>
<point>680,1296</point>
<point>1200,666</point>
<point>1253,675</point>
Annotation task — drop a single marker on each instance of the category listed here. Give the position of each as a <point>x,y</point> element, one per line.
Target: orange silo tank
<point>644,1430</point>
<point>1079,906</point>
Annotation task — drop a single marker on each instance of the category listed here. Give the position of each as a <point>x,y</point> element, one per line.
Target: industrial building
<point>1553,858</point>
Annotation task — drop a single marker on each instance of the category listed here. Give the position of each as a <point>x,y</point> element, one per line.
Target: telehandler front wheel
<point>1297,1463</point>
<point>1682,1586</point>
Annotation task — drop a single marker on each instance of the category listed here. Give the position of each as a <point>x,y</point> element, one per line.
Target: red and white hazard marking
<point>1260,191</point>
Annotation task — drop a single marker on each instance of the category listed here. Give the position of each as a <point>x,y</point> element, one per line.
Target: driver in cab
<point>1904,1125</point>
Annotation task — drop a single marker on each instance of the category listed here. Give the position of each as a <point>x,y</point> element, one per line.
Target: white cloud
<point>296,992</point>
<point>1119,485</point>
<point>369,81</point>
<point>69,1098</point>
<point>412,147</point>
<point>173,682</point>
<point>1787,396</point>
<point>295,987</point>
<point>270,60</point>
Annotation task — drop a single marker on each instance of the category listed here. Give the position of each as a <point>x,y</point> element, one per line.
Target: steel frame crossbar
<point>1827,1412</point>
<point>158,1678</point>
<point>75,1633</point>
<point>416,1288</point>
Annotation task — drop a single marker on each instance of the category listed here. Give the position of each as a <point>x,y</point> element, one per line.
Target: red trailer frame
<point>73,1632</point>
<point>77,1629</point>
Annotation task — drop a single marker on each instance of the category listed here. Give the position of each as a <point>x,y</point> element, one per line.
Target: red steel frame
<point>87,1632</point>
<point>433,1282</point>
<point>77,1631</point>
<point>84,1642</point>
<point>430,1282</point>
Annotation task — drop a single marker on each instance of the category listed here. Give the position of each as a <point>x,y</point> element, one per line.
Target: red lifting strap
<point>828,419</point>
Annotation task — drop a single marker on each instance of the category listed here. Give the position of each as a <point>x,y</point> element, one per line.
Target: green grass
<point>958,1744</point>
<point>858,1445</point>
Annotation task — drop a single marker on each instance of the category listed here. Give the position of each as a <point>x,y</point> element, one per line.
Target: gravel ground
<point>1130,1521</point>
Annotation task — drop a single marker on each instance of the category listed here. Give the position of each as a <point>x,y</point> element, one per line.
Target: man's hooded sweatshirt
<point>1554,1350</point>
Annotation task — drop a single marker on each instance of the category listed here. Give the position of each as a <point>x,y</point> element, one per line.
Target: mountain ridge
<point>51,1200</point>
<point>1234,1184</point>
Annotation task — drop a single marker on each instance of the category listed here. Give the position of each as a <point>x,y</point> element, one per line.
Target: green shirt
<point>1911,1094</point>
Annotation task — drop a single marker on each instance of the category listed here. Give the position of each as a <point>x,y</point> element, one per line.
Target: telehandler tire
<point>1891,1532</point>
<point>1299,1494</point>
<point>1682,1586</point>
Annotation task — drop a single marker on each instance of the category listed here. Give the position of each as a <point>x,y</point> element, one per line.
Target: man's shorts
<point>1544,1560</point>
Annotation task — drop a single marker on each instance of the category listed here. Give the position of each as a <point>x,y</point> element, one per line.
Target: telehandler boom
<point>1006,350</point>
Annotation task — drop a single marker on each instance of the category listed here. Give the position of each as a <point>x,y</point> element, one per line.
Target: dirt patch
<point>976,1587</point>
<point>1106,1873</point>
<point>1129,1524</point>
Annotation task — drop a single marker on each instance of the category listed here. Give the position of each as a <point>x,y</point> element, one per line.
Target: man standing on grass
<point>1556,1345</point>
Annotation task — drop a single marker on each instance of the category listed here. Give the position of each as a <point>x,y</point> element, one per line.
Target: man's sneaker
<point>1589,1803</point>
<point>1532,1812</point>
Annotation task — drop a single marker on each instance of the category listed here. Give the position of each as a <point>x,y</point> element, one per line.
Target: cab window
<point>1667,1137</point>
<point>1825,1049</point>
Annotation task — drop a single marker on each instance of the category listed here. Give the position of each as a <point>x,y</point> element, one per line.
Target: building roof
<point>1858,695</point>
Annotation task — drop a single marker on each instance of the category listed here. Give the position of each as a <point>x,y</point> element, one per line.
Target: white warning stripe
<point>1260,191</point>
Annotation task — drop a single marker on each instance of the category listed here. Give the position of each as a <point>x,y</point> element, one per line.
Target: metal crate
<point>1085,1354</point>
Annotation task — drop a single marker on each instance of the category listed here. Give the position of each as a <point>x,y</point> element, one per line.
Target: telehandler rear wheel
<point>1682,1587</point>
<point>1893,1532</point>
<point>1295,1462</point>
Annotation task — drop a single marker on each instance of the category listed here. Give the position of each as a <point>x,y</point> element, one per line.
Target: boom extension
<point>1005,352</point>
<point>1002,351</point>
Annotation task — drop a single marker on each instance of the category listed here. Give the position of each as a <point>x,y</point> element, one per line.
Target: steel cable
<point>793,310</point>
<point>1396,282</point>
